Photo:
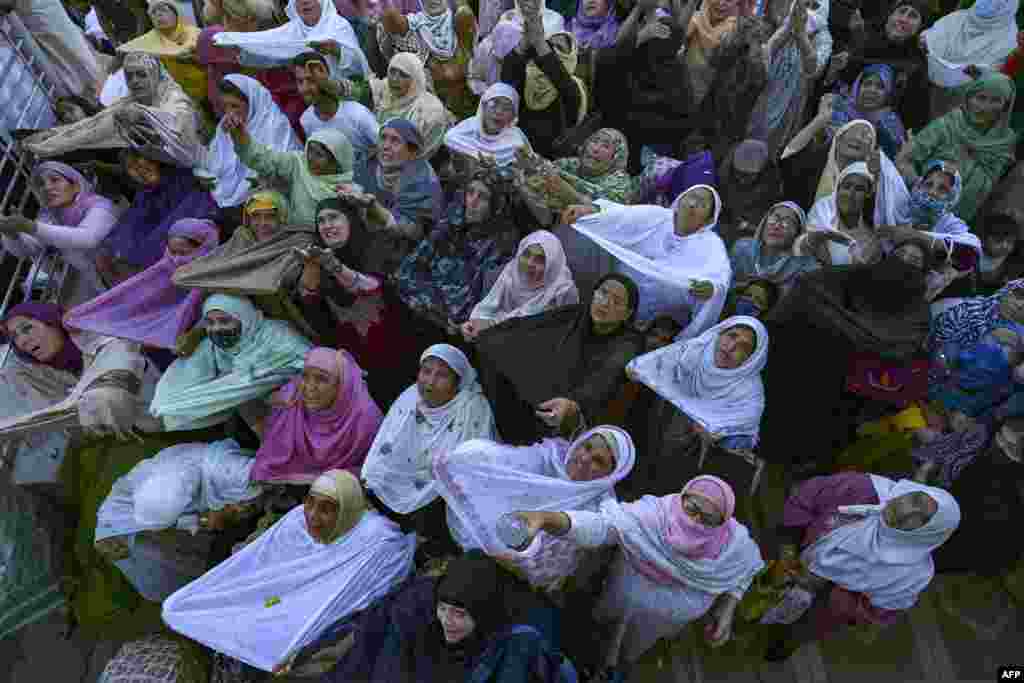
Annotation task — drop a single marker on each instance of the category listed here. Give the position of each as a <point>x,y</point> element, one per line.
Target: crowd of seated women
<point>453,340</point>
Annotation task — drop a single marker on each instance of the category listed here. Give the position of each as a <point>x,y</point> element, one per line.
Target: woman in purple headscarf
<point>64,379</point>
<point>595,24</point>
<point>165,195</point>
<point>148,308</point>
<point>74,219</point>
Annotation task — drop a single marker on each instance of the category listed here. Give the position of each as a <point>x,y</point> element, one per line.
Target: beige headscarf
<point>344,489</point>
<point>830,176</point>
<point>540,93</point>
<point>420,107</point>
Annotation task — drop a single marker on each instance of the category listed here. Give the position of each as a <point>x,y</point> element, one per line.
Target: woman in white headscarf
<point>536,280</point>
<point>243,357</point>
<point>837,232</point>
<point>675,256</point>
<point>182,489</point>
<point>708,391</point>
<point>865,550</point>
<point>811,173</point>
<point>715,379</point>
<point>323,561</point>
<point>311,23</point>
<point>266,124</point>
<point>493,131</point>
<point>444,408</point>
<point>982,36</point>
<point>483,480</point>
<point>681,557</point>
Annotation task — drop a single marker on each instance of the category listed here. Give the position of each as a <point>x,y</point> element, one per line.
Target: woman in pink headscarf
<point>537,280</point>
<point>323,420</point>
<point>682,557</point>
<point>148,308</point>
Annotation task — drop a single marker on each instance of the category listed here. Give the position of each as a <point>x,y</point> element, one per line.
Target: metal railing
<point>28,93</point>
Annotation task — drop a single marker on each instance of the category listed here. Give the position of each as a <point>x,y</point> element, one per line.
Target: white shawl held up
<point>725,402</point>
<point>965,38</point>
<point>483,480</point>
<point>892,567</point>
<point>292,39</point>
<point>280,592</point>
<point>195,477</point>
<point>167,491</point>
<point>663,264</point>
<point>468,136</point>
<point>398,466</point>
<point>267,125</point>
<point>731,572</point>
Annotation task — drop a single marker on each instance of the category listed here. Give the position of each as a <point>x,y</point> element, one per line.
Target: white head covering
<point>824,217</point>
<point>482,480</point>
<point>468,136</point>
<point>163,497</point>
<point>398,466</point>
<point>437,32</point>
<point>267,125</point>
<point>891,192</point>
<point>984,34</point>
<point>512,297</point>
<point>723,401</point>
<point>663,264</point>
<point>292,39</point>
<point>890,565</point>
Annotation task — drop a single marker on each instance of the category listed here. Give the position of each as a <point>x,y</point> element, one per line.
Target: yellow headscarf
<point>344,489</point>
<point>540,93</point>
<point>266,200</point>
<point>179,41</point>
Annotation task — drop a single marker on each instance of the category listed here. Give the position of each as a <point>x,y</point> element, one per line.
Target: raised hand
<point>652,30</point>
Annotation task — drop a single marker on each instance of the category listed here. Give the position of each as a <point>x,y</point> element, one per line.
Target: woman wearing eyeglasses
<point>555,373</point>
<point>683,557</point>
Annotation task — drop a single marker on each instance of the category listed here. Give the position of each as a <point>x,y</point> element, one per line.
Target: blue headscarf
<point>927,210</point>
<point>407,131</point>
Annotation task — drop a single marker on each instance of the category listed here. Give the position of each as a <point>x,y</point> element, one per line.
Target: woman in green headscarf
<point>311,175</point>
<point>600,169</point>
<point>244,357</point>
<point>976,136</point>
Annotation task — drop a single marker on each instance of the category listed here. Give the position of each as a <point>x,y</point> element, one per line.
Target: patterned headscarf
<point>590,168</point>
<point>926,210</point>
